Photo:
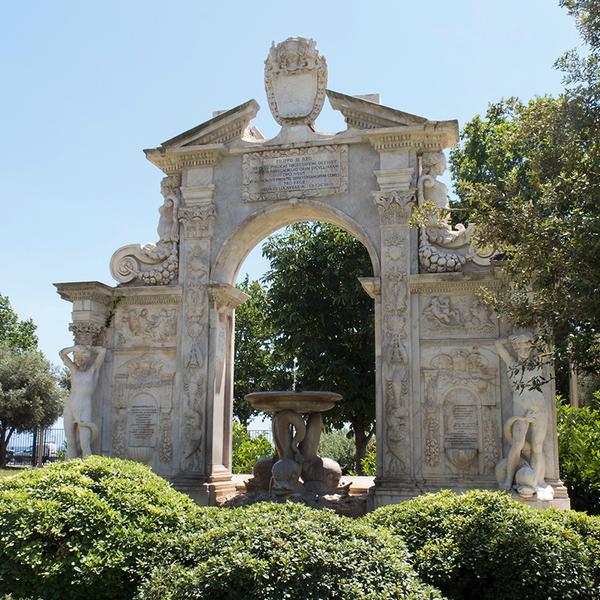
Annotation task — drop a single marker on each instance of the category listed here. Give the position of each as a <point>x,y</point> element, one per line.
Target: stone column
<point>394,408</point>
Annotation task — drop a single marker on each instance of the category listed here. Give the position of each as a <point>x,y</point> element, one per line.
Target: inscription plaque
<point>142,421</point>
<point>462,427</point>
<point>300,172</point>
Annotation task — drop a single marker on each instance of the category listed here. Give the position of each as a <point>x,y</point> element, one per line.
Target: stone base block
<point>388,492</point>
<point>203,491</point>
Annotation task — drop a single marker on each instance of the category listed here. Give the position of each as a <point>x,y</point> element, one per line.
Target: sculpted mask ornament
<point>524,468</point>
<point>295,81</point>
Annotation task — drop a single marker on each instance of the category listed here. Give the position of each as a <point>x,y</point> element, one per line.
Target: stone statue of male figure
<point>84,366</point>
<point>530,415</point>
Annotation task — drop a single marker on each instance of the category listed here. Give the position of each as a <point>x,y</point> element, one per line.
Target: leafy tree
<point>528,175</point>
<point>29,394</point>
<point>323,317</point>
<point>255,366</point>
<point>13,331</point>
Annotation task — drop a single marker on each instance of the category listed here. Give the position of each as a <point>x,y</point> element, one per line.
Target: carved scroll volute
<point>154,264</point>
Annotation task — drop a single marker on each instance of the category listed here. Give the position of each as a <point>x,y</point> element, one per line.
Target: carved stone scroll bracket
<point>154,264</point>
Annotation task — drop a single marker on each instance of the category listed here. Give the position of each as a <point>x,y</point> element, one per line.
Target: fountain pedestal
<point>298,468</point>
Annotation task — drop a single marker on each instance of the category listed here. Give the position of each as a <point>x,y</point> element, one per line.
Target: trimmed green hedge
<point>277,551</point>
<point>104,528</point>
<point>86,528</point>
<point>484,545</point>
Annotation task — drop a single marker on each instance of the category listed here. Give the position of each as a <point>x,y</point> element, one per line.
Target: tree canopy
<point>528,175</point>
<point>29,394</point>
<point>14,332</point>
<point>312,308</point>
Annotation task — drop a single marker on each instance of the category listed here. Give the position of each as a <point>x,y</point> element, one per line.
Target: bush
<point>484,545</point>
<point>86,528</point>
<point>341,448</point>
<point>246,450</point>
<point>276,551</point>
<point>579,453</point>
<point>369,462</point>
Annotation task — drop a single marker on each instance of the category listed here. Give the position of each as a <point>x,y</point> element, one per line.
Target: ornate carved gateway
<point>448,415</point>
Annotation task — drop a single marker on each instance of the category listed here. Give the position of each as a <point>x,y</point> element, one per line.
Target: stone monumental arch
<point>450,412</point>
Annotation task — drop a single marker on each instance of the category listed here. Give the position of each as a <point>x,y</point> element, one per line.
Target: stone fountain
<point>297,468</point>
<point>297,472</point>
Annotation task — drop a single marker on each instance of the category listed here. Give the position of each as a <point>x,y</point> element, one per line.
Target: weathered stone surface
<point>444,398</point>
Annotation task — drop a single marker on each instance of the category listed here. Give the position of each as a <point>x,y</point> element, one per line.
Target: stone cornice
<point>362,114</point>
<point>146,296</point>
<point>85,290</point>
<point>429,137</point>
<point>371,285</point>
<point>175,161</point>
<point>226,295</point>
<point>453,283</point>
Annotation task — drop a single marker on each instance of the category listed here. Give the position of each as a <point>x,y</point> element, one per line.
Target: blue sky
<point>88,85</point>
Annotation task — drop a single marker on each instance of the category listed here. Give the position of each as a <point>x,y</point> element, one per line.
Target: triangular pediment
<point>362,114</point>
<point>223,128</point>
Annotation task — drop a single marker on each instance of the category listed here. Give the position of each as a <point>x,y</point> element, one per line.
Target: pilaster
<point>395,201</point>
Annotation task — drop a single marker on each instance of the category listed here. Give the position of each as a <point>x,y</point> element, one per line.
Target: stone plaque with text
<point>142,421</point>
<point>295,173</point>
<point>462,427</point>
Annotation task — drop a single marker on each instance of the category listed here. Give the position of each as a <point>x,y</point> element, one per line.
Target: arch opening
<point>342,359</point>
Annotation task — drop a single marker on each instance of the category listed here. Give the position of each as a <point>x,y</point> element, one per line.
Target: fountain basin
<point>300,402</point>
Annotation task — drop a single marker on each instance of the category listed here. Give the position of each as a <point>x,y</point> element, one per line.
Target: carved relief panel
<point>461,411</point>
<point>456,315</point>
<point>149,323</point>
<point>142,409</point>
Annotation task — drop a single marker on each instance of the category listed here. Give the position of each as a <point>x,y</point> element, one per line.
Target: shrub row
<point>106,528</point>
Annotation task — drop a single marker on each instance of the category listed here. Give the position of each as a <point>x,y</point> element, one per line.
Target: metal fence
<point>50,444</point>
<point>267,433</point>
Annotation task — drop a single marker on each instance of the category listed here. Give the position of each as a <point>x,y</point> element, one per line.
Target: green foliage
<point>29,394</point>
<point>272,551</point>
<point>246,450</point>
<point>484,545</point>
<point>527,174</point>
<point>579,452</point>
<point>323,317</point>
<point>369,462</point>
<point>339,445</point>
<point>16,334</point>
<point>257,367</point>
<point>86,528</point>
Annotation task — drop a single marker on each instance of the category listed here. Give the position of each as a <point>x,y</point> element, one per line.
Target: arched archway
<point>262,223</point>
<point>226,265</point>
